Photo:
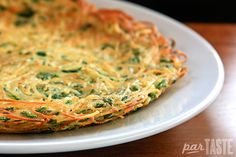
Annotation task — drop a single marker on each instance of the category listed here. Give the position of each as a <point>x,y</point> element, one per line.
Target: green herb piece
<point>53,122</point>
<point>81,46</point>
<point>110,77</point>
<point>9,52</point>
<point>41,53</point>
<point>108,116</point>
<point>84,120</point>
<point>57,113</point>
<point>77,86</point>
<point>24,52</point>
<point>57,83</point>
<point>10,108</point>
<point>134,88</point>
<point>65,57</point>
<point>161,84</point>
<point>4,45</point>
<point>11,95</point>
<point>71,127</point>
<point>164,60</point>
<point>103,73</point>
<point>24,17</point>
<point>99,105</point>
<point>135,59</point>
<point>95,92</point>
<point>84,62</point>
<point>108,100</point>
<point>43,110</point>
<point>21,22</point>
<point>136,51</point>
<point>86,27</point>
<point>92,81</point>
<point>119,68</point>
<point>124,98</point>
<point>5,119</point>
<point>8,44</point>
<point>69,102</point>
<point>46,75</point>
<point>59,95</point>
<point>124,47</point>
<point>85,111</point>
<point>28,114</point>
<point>107,45</point>
<point>79,93</point>
<point>125,77</point>
<point>2,8</point>
<point>169,65</point>
<point>135,110</point>
<point>26,13</point>
<point>174,81</point>
<point>41,88</point>
<point>114,79</point>
<point>152,95</point>
<point>72,70</point>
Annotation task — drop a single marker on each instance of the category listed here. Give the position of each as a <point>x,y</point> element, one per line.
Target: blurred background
<point>194,10</point>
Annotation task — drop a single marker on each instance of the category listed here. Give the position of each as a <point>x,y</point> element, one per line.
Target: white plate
<point>187,98</point>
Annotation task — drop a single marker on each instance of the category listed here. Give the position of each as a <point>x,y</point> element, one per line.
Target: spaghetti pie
<point>66,64</point>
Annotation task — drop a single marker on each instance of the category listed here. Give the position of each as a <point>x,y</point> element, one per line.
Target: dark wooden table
<point>216,122</point>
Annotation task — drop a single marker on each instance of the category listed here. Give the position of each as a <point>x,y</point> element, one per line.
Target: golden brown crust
<point>78,65</point>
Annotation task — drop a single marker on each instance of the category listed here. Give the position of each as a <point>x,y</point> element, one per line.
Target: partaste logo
<point>210,147</point>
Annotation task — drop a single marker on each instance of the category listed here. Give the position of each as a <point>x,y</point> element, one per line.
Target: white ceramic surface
<point>185,99</point>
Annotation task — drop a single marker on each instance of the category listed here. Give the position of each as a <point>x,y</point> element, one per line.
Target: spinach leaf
<point>161,84</point>
<point>26,13</point>
<point>152,96</point>
<point>46,75</point>
<point>107,45</point>
<point>86,27</point>
<point>28,114</point>
<point>134,88</point>
<point>59,95</point>
<point>10,95</point>
<point>41,53</point>
<point>5,119</point>
<point>72,70</point>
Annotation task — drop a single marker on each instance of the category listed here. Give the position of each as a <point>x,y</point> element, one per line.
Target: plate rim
<point>141,133</point>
